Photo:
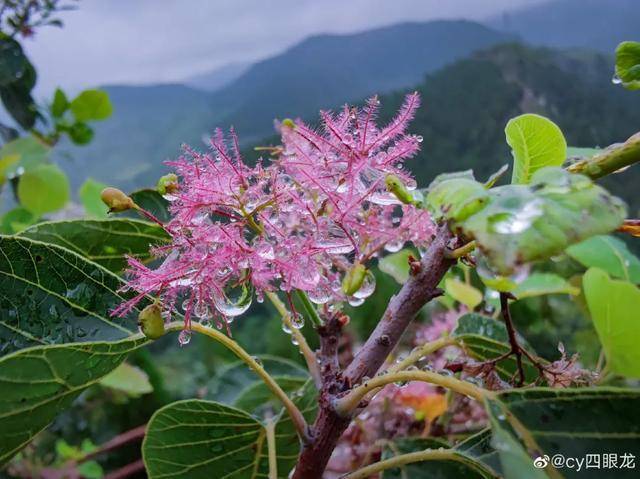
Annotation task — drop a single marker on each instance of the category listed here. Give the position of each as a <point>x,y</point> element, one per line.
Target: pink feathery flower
<point>300,223</point>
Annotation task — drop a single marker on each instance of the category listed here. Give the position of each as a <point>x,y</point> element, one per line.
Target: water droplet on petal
<point>184,337</point>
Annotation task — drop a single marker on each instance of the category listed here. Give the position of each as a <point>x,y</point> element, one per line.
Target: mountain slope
<point>467,105</point>
<point>150,123</point>
<point>332,69</point>
<point>595,24</point>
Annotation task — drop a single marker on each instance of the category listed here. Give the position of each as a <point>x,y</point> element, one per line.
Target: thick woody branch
<point>421,287</point>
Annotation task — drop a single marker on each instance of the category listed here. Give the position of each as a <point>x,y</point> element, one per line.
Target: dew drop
<point>184,337</point>
<point>368,286</point>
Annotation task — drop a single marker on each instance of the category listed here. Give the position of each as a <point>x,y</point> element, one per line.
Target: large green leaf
<point>105,242</point>
<point>50,295</point>
<point>570,422</point>
<point>38,383</point>
<point>609,254</point>
<point>535,142</point>
<point>463,293</point>
<point>43,189</point>
<point>203,439</point>
<point>519,224</point>
<point>628,65</point>
<point>465,466</point>
<point>16,220</point>
<point>91,105</point>
<point>614,306</point>
<point>486,338</point>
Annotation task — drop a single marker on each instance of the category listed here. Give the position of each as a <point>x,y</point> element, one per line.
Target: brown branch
<point>126,471</point>
<point>119,440</point>
<point>511,331</point>
<point>420,288</point>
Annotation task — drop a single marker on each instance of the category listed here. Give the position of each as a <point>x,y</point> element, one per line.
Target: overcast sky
<point>157,41</point>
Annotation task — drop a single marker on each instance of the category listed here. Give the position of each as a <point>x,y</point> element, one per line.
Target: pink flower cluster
<point>301,222</point>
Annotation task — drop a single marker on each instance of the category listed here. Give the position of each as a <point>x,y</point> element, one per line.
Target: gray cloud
<point>155,41</point>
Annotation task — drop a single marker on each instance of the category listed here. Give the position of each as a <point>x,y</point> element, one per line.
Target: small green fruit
<point>288,122</point>
<point>352,281</point>
<point>151,321</point>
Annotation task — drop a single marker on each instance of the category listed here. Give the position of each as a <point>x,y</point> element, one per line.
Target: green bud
<point>116,200</point>
<point>151,321</point>
<point>167,184</point>
<point>288,122</point>
<point>397,188</point>
<point>352,281</point>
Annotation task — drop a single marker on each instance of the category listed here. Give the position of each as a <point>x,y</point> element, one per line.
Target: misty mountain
<point>150,123</point>
<point>594,24</point>
<point>218,78</point>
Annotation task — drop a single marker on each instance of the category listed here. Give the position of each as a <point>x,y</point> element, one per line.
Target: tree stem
<point>511,331</point>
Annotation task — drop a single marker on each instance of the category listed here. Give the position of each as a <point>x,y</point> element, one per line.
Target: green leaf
<point>463,293</point>
<point>613,305</point>
<point>91,470</point>
<point>487,338</point>
<point>231,385</point>
<point>129,379</point>
<point>526,223</point>
<point>60,103</point>
<point>105,242</point>
<point>30,153</point>
<point>535,142</point>
<point>89,194</point>
<point>91,105</point>
<point>554,421</point>
<point>17,99</point>
<point>16,220</point>
<point>51,295</point>
<point>153,202</point>
<point>203,439</point>
<point>540,284</point>
<point>467,466</point>
<point>80,133</point>
<point>396,265</point>
<point>628,65</point>
<point>40,382</point>
<point>43,189</point>
<point>13,62</point>
<point>609,254</point>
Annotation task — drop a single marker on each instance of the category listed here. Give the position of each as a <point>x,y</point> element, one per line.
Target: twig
<point>409,458</point>
<point>270,429</point>
<point>349,403</point>
<point>610,160</point>
<point>127,470</point>
<point>461,251</point>
<point>114,443</point>
<point>513,340</point>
